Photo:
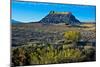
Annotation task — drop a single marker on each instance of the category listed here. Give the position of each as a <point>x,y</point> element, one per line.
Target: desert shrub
<point>72,35</point>
<point>34,58</point>
<point>69,55</point>
<point>48,54</point>
<point>18,56</point>
<point>89,51</point>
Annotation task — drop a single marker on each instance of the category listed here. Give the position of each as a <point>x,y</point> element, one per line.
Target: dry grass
<point>54,28</point>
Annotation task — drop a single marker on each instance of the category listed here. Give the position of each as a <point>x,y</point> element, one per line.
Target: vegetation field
<point>36,43</point>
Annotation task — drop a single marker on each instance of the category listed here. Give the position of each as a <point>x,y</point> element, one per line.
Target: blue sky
<point>32,11</point>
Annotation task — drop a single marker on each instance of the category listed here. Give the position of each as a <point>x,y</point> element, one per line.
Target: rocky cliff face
<point>60,17</point>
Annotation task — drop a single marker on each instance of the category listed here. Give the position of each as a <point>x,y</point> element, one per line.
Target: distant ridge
<point>60,17</point>
<point>88,22</point>
<point>15,22</point>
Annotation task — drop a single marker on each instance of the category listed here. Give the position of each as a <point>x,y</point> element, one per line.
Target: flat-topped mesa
<point>54,12</point>
<point>59,17</point>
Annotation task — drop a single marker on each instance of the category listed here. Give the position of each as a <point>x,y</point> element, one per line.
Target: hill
<point>60,17</point>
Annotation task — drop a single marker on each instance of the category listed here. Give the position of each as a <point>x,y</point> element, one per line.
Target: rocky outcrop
<point>60,17</point>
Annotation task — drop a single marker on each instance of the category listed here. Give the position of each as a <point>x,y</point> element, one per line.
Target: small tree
<point>51,12</point>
